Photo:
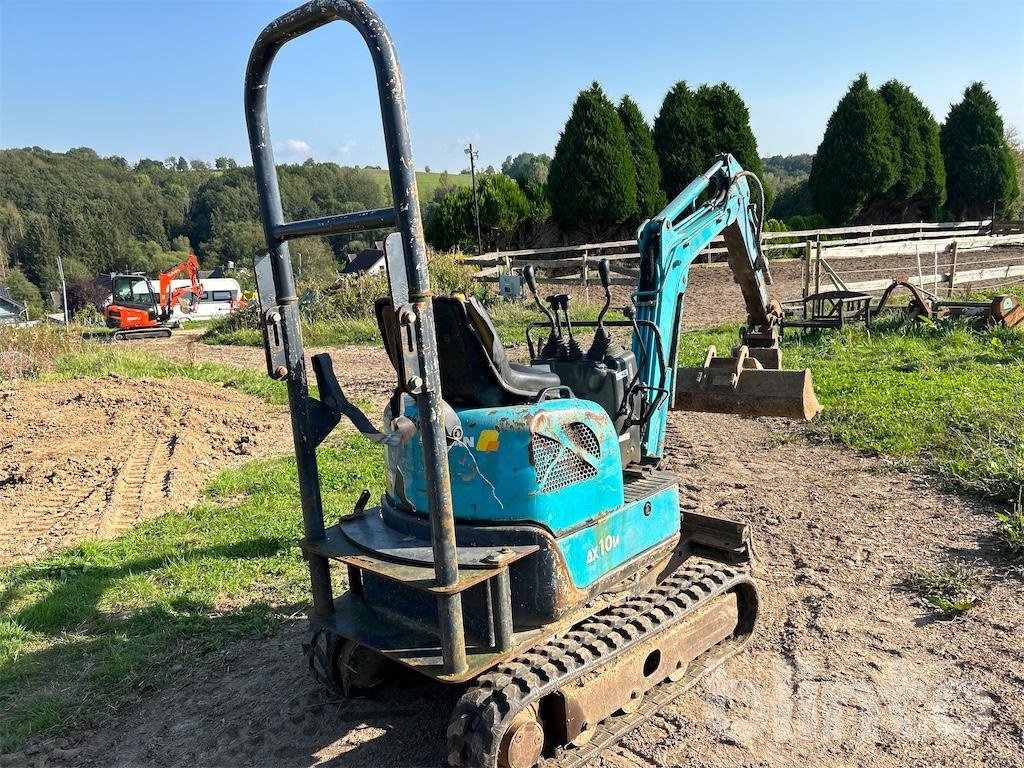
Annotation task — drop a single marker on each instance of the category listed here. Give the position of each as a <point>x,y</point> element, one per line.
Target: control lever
<point>602,343</point>
<point>573,351</point>
<point>550,348</point>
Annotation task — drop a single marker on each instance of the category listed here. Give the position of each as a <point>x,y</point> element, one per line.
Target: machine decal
<point>488,441</point>
<point>603,547</point>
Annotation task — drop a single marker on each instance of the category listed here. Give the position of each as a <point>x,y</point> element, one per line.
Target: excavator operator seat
<point>475,371</point>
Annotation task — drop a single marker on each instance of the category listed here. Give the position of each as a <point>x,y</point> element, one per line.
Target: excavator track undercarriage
<point>617,668</point>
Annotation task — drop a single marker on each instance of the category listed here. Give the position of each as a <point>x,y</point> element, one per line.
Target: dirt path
<point>92,457</point>
<point>847,668</point>
<point>363,372</point>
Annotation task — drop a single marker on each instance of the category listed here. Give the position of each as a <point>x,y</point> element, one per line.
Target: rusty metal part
<point>922,304</point>
<point>741,386</point>
<point>523,743</point>
<point>583,704</point>
<point>488,709</point>
<point>1006,311</point>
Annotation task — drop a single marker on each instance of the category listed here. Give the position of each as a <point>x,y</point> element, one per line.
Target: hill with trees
<point>102,215</point>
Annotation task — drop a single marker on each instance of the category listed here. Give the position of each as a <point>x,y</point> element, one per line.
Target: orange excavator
<point>137,311</point>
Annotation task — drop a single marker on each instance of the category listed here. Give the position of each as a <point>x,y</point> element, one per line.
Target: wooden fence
<point>821,249</point>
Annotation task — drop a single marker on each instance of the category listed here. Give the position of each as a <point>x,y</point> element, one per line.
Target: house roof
<point>7,302</point>
<point>363,261</point>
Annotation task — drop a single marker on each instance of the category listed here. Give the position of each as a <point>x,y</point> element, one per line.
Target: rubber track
<point>485,711</point>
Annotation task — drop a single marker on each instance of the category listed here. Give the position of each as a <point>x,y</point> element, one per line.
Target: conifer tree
<point>649,196</point>
<point>856,161</point>
<point>980,173</point>
<point>678,135</point>
<point>591,182</point>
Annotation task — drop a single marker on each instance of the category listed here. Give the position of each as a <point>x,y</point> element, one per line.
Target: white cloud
<point>294,148</point>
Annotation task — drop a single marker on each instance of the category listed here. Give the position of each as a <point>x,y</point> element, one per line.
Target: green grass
<point>1011,529</point>
<point>951,589</point>
<point>426,183</point>
<point>106,359</point>
<point>946,396</point>
<point>338,333</point>
<point>87,630</point>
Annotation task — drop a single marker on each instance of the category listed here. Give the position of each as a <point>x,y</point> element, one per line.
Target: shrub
<point>25,351</point>
<point>503,207</point>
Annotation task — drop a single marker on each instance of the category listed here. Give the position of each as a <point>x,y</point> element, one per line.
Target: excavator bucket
<point>740,384</point>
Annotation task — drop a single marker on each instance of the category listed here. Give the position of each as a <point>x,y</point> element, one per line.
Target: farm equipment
<point>527,545</point>
<point>1005,311</point>
<point>146,314</point>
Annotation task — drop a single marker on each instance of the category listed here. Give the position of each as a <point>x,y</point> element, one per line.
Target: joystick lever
<point>550,348</point>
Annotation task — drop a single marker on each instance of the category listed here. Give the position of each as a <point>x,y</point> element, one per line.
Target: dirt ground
<point>92,457</point>
<point>848,668</point>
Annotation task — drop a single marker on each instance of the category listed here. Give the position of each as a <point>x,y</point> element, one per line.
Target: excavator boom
<point>669,243</point>
<point>169,298</point>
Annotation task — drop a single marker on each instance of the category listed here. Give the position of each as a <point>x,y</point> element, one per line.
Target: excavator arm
<point>669,243</point>
<point>170,298</point>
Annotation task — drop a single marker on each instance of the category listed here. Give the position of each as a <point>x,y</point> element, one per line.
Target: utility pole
<point>63,289</point>
<point>476,200</point>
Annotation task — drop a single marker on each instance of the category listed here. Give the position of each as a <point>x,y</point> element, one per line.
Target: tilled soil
<point>90,458</point>
<point>848,667</point>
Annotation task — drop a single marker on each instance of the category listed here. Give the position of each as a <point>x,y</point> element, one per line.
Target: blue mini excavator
<point>527,545</point>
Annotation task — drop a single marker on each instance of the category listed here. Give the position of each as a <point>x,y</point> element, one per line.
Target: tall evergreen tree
<point>856,162</point>
<point>649,196</point>
<point>910,160</point>
<point>729,130</point>
<point>933,192</point>
<point>678,135</point>
<point>980,171</point>
<point>591,182</point>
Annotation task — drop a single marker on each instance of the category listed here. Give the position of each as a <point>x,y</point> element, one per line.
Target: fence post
<point>817,269</point>
<point>806,269</point>
<point>952,272</point>
<point>586,274</point>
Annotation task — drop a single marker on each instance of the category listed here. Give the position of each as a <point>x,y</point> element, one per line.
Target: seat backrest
<point>470,353</point>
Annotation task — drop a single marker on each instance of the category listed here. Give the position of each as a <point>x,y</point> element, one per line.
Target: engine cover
<point>555,463</point>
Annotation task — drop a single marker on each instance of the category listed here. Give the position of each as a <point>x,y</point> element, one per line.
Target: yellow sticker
<point>488,441</point>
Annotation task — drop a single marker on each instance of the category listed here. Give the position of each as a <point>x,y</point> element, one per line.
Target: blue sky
<point>153,79</point>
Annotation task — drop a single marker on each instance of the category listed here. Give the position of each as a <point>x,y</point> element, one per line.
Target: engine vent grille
<point>557,466</point>
<point>583,437</point>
